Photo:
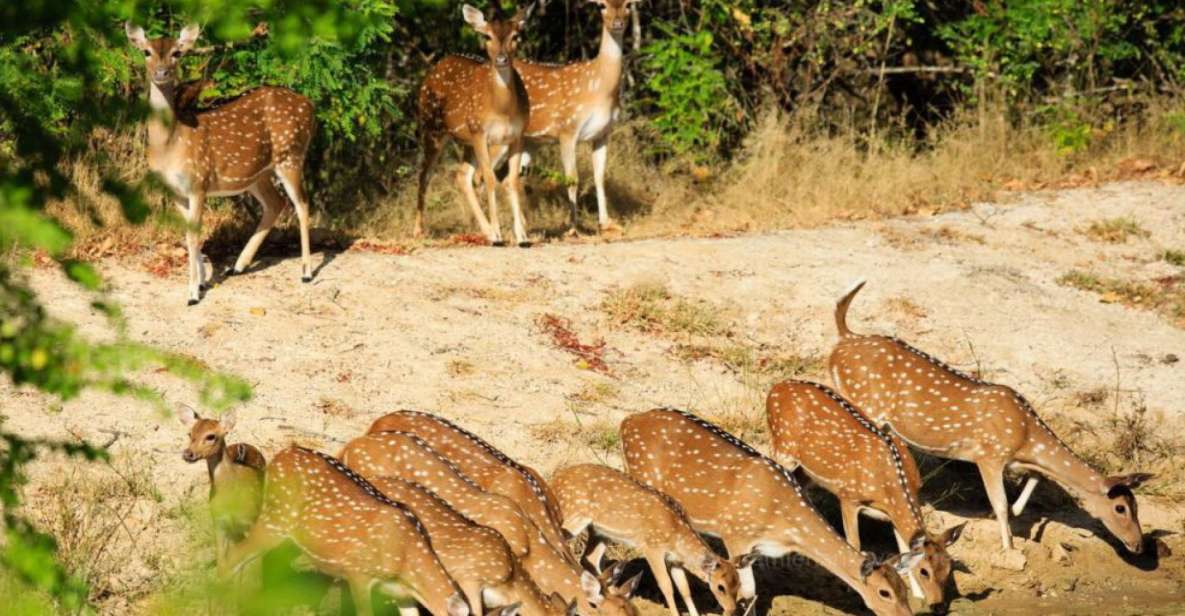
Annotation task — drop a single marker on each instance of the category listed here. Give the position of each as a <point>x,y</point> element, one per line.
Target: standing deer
<point>752,503</point>
<point>612,505</point>
<point>480,105</point>
<point>950,414</point>
<point>236,147</point>
<point>236,476</point>
<point>868,470</point>
<point>477,557</point>
<point>404,455</point>
<point>349,530</point>
<point>578,102</point>
<point>493,470</point>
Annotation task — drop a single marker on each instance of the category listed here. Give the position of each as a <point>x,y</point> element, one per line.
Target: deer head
<point>616,598</point>
<point>883,590</point>
<point>723,581</point>
<point>161,55</point>
<point>207,437</point>
<point>935,565</point>
<point>1116,508</point>
<point>501,34</point>
<point>615,14</point>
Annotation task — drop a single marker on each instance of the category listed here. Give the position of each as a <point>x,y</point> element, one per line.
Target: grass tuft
<point>1115,230</point>
<point>1164,295</point>
<point>653,308</point>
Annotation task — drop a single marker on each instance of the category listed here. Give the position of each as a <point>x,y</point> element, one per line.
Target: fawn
<point>869,470</point>
<point>480,105</point>
<point>236,147</point>
<point>752,503</point>
<point>950,414</point>
<point>404,455</point>
<point>349,530</point>
<point>612,505</point>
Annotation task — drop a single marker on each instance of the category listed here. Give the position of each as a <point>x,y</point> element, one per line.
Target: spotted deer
<point>947,413</point>
<point>614,506</point>
<point>348,529</point>
<point>405,455</point>
<point>479,105</point>
<point>493,470</point>
<point>235,472</point>
<point>753,504</point>
<point>580,102</point>
<point>868,469</point>
<point>476,556</point>
<point>236,147</point>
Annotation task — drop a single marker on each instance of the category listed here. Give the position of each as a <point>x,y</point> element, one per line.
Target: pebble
<point>1012,560</point>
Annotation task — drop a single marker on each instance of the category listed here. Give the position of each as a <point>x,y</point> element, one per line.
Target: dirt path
<point>457,331</point>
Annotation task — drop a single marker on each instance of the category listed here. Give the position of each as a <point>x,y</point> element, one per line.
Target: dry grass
<point>1164,295</point>
<point>1173,257</point>
<point>652,308</point>
<point>763,360</point>
<point>559,331</point>
<point>1115,230</point>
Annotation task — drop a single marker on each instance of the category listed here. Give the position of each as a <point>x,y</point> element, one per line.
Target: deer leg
<point>360,592</point>
<point>903,547</point>
<point>272,203</point>
<point>993,481</point>
<point>1019,506</point>
<point>600,159</point>
<point>290,178</point>
<point>568,158</point>
<point>473,598</point>
<point>658,566</point>
<point>481,151</point>
<point>193,226</point>
<point>432,149</point>
<point>514,192</point>
<point>259,539</point>
<point>680,577</point>
<point>464,178</point>
<point>850,512</point>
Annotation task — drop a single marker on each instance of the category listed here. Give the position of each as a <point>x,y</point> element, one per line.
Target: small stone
<point>1170,358</point>
<point>1069,584</point>
<point>1012,560</point>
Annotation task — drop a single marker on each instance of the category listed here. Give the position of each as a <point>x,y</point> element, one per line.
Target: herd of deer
<point>261,138</point>
<point>434,515</point>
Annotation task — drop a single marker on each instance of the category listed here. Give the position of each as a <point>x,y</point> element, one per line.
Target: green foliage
<point>690,99</point>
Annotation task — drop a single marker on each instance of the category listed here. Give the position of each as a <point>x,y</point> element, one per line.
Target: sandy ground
<point>455,331</point>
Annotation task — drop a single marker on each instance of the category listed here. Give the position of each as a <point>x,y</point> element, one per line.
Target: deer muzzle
<point>189,456</point>
<point>502,59</point>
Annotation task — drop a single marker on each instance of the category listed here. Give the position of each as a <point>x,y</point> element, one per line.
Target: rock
<point>1012,560</point>
<point>1060,552</point>
<point>1069,584</point>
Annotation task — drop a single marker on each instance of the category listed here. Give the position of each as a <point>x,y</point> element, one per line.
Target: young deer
<point>404,455</point>
<point>236,475</point>
<point>577,102</point>
<point>753,504</point>
<point>953,415</point>
<point>480,105</point>
<point>868,469</point>
<point>476,556</point>
<point>349,530</point>
<point>614,506</point>
<point>493,470</point>
<point>236,147</point>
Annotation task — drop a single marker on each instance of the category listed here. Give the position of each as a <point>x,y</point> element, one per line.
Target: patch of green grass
<point>1173,257</point>
<point>1164,295</point>
<point>1115,230</point>
<point>653,308</point>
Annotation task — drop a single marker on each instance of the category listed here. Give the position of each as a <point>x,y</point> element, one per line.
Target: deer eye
<point>884,593</point>
<point>925,573</point>
<point>1120,509</point>
<point>176,54</point>
<point>209,437</point>
<point>147,53</point>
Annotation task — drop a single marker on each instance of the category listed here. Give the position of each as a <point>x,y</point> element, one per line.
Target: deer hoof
<point>230,271</point>
<point>498,243</point>
<point>306,279</point>
<point>525,244</point>
<point>191,302</point>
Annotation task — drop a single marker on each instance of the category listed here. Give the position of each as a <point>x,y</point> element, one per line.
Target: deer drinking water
<point>869,470</point>
<point>612,505</point>
<point>235,147</point>
<point>480,105</point>
<point>349,530</point>
<point>950,414</point>
<point>753,504</point>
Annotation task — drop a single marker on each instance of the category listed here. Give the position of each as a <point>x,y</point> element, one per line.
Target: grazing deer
<point>349,530</point>
<point>752,503</point>
<point>867,469</point>
<point>950,414</point>
<point>480,105</point>
<point>236,147</point>
<point>477,557</point>
<point>615,506</point>
<point>236,475</point>
<point>493,470</point>
<point>405,455</point>
<point>577,102</point>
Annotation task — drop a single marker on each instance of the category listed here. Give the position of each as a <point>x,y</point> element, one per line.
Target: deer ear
<point>918,540</point>
<point>524,13</point>
<point>135,35</point>
<point>709,564</point>
<point>869,565</point>
<point>228,421</point>
<point>951,535</point>
<point>591,586</point>
<point>573,610</point>
<point>744,560</point>
<point>509,610</point>
<point>626,590</point>
<point>1133,480</point>
<point>609,576</point>
<point>187,415</point>
<point>475,18</point>
<point>457,605</point>
<point>189,36</point>
<point>902,563</point>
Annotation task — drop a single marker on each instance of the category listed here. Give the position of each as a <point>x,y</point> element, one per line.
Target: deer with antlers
<point>753,504</point>
<point>868,469</point>
<point>236,147</point>
<point>235,472</point>
<point>612,505</point>
<point>476,556</point>
<point>580,102</point>
<point>947,413</point>
<point>491,469</point>
<point>349,530</point>
<point>481,105</point>
<point>405,455</point>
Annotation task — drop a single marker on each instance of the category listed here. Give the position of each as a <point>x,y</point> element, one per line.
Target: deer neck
<point>1046,454</point>
<point>161,122</point>
<point>610,59</point>
<point>505,100</point>
<point>824,546</point>
<point>215,460</point>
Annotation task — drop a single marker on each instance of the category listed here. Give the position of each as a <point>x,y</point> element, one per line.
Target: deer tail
<point>841,309</point>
